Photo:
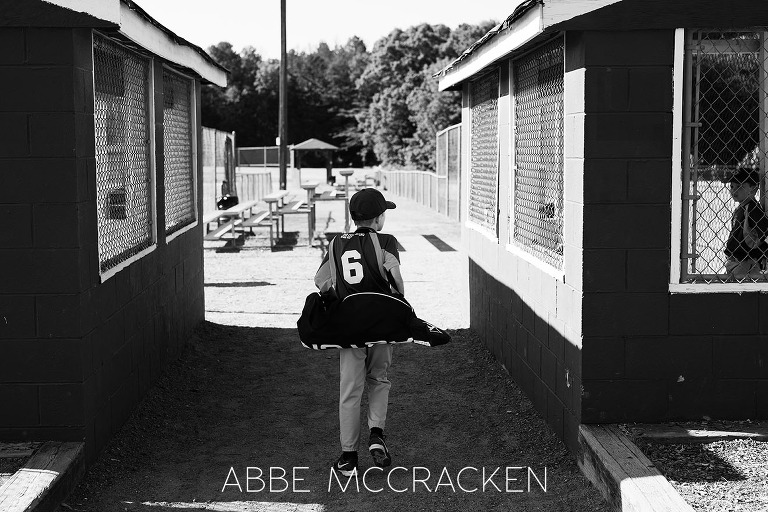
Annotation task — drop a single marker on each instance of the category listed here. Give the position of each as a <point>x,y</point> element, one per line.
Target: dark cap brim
<point>391,205</point>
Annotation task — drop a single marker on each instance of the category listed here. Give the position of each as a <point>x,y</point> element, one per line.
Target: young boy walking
<point>365,261</point>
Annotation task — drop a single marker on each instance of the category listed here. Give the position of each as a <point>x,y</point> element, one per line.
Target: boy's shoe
<point>346,465</point>
<point>378,449</point>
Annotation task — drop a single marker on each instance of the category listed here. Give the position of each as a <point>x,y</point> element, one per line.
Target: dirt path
<point>244,396</point>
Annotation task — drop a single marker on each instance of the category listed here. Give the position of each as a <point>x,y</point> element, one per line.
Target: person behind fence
<point>357,258</point>
<point>746,248</point>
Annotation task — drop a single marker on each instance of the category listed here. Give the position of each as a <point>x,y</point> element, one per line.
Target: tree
<point>406,110</point>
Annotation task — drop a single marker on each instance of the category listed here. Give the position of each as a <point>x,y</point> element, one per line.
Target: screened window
<point>538,171</point>
<point>123,167</point>
<point>484,153</point>
<point>177,152</point>
<point>724,149</point>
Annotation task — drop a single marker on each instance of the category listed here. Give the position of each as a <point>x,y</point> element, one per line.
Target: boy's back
<point>361,261</point>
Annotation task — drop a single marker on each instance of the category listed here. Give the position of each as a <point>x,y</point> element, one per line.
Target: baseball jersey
<point>358,263</point>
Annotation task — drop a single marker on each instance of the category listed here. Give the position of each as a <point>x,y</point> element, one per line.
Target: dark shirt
<point>736,248</point>
<point>357,265</point>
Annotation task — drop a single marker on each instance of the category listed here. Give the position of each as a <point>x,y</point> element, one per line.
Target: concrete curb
<point>623,474</point>
<point>45,480</point>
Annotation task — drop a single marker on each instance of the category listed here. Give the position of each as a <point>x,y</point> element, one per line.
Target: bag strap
<point>380,259</point>
<point>379,254</point>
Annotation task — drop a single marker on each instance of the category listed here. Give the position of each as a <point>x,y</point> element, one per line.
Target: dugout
<point>101,247</point>
<point>597,135</point>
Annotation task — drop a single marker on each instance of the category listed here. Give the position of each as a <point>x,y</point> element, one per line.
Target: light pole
<point>283,115</point>
<point>346,173</point>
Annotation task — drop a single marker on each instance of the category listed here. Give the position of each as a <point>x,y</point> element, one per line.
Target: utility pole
<point>283,116</point>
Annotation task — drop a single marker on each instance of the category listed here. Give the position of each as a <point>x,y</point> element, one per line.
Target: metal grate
<point>123,170</point>
<point>177,152</point>
<point>538,180</point>
<point>484,153</point>
<point>724,146</point>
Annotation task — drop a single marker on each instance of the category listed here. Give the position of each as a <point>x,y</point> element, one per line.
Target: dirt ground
<point>245,396</point>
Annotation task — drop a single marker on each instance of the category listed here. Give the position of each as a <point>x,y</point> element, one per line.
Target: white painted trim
<point>482,230</point>
<point>143,33</point>
<point>136,28</point>
<point>526,28</point>
<point>545,267</point>
<point>175,234</point>
<point>718,287</point>
<point>136,257</point>
<point>677,162</point>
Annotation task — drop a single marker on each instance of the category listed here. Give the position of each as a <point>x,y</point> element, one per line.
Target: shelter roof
<point>131,23</point>
<point>535,21</point>
<point>311,144</point>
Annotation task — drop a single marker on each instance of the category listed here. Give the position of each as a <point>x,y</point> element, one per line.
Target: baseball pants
<point>358,366</point>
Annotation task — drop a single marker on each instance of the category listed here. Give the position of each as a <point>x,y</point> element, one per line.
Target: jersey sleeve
<point>391,254</point>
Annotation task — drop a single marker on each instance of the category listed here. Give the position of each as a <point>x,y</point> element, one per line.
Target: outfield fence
<point>439,190</point>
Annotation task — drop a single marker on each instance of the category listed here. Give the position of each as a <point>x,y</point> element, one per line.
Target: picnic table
<point>228,220</point>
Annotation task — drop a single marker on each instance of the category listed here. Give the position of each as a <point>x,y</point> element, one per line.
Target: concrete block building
<point>101,265</point>
<point>599,138</point>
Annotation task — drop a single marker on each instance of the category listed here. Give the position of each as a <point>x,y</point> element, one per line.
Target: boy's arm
<point>323,279</point>
<point>398,278</point>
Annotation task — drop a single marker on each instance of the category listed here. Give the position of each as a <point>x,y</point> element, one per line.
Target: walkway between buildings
<point>247,395</point>
<point>259,288</point>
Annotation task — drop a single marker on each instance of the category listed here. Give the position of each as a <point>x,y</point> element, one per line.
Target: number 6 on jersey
<point>351,267</point>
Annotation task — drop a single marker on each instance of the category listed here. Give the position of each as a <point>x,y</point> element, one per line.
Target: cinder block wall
<point>528,318</point>
<point>76,354</point>
<point>649,355</point>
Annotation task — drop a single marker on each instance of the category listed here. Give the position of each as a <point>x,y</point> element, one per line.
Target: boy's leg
<point>376,365</point>
<point>351,384</point>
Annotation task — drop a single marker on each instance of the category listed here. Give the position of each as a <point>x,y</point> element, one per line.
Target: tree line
<point>380,106</point>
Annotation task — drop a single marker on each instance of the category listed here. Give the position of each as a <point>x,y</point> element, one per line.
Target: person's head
<point>367,208</point>
<point>743,184</point>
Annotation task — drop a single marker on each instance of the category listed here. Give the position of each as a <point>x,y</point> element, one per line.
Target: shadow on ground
<point>253,397</point>
<point>691,462</point>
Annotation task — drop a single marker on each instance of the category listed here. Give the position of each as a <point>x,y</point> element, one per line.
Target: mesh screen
<point>484,153</point>
<point>177,152</point>
<point>725,150</point>
<point>123,170</point>
<point>538,117</point>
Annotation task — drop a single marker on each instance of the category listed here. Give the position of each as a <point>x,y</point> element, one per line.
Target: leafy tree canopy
<point>381,106</point>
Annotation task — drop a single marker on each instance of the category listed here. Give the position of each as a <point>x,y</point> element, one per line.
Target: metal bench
<point>223,229</point>
<point>215,216</point>
<point>260,219</point>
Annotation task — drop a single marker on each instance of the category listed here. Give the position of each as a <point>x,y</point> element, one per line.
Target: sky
<point>308,22</point>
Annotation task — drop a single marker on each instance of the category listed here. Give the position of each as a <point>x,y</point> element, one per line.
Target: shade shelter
<point>598,137</point>
<point>99,190</point>
<point>318,146</point>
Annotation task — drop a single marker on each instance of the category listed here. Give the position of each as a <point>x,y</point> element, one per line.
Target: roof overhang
<point>531,20</point>
<point>136,25</point>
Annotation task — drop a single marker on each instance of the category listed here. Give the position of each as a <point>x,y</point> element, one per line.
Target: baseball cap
<point>745,176</point>
<point>368,203</point>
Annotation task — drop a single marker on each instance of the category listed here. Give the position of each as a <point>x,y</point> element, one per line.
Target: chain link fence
<point>538,178</point>
<point>260,156</point>
<point>484,154</point>
<point>724,149</point>
<point>124,184</point>
<point>177,152</point>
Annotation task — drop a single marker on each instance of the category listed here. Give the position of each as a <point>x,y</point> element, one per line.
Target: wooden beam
<point>623,474</point>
